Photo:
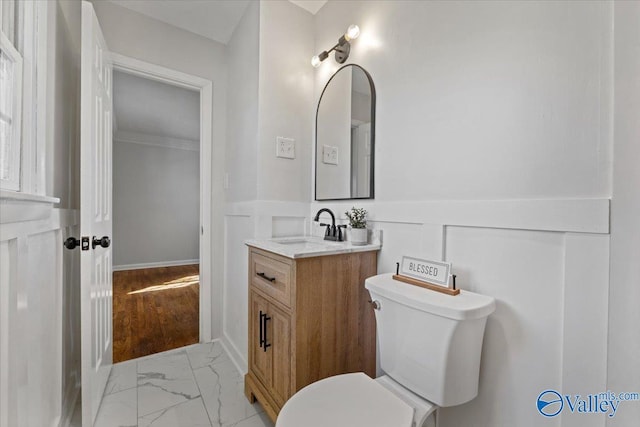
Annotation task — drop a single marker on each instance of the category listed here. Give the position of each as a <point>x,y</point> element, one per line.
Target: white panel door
<point>95,214</point>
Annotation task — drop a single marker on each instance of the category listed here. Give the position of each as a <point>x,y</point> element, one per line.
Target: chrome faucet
<point>333,232</point>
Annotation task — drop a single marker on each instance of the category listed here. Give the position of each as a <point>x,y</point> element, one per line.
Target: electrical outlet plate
<point>329,155</point>
<point>285,148</point>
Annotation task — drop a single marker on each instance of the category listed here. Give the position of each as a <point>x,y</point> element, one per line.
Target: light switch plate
<point>329,155</point>
<point>285,148</point>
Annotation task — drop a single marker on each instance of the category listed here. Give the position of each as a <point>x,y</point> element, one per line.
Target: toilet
<point>429,348</point>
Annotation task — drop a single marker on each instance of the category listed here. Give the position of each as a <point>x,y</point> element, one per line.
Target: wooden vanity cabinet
<point>309,318</point>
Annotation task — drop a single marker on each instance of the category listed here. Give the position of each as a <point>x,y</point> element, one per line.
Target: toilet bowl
<point>430,345</point>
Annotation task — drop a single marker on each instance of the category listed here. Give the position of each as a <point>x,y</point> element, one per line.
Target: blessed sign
<point>435,272</point>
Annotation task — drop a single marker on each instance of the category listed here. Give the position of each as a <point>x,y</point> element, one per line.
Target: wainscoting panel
<point>238,228</point>
<point>39,366</point>
<point>243,221</point>
<point>522,351</point>
<point>586,311</point>
<point>288,226</point>
<point>545,262</point>
<point>44,328</point>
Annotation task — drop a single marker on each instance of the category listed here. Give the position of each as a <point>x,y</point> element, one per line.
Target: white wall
<point>285,100</point>
<point>483,100</point>
<point>269,56</point>
<point>39,280</point>
<point>493,152</point>
<point>624,316</point>
<point>242,107</point>
<point>135,35</point>
<point>156,205</point>
<point>242,168</point>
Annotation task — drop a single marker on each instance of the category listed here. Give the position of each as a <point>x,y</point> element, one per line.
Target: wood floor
<point>154,310</point>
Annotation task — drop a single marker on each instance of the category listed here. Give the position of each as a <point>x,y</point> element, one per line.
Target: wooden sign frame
<point>426,285</point>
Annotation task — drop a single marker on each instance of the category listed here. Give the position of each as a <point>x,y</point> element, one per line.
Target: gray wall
<point>156,204</point>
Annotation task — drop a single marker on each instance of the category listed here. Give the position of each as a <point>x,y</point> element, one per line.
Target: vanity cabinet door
<point>260,360</point>
<point>279,335</point>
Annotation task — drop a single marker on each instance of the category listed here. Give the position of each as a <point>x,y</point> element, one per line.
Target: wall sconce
<point>342,48</point>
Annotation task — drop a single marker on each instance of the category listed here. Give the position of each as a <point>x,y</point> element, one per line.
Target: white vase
<point>359,236</point>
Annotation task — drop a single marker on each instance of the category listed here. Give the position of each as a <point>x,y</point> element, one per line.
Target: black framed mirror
<point>345,136</point>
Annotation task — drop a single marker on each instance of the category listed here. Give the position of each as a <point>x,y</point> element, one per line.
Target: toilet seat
<point>348,400</point>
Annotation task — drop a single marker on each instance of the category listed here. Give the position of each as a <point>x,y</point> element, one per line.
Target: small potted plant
<point>358,222</point>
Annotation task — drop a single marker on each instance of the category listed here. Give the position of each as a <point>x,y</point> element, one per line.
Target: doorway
<point>161,199</point>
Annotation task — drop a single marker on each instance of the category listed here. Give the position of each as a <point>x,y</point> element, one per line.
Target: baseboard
<point>234,354</point>
<point>155,264</point>
<point>69,405</point>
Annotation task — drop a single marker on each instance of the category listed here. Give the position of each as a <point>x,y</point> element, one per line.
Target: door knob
<point>71,243</point>
<point>104,242</point>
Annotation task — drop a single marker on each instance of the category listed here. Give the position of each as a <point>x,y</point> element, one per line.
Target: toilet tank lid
<point>464,306</point>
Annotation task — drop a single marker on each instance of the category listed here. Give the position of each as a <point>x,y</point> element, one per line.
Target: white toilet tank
<point>430,342</point>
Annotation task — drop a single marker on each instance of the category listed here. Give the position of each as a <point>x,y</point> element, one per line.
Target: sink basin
<point>293,241</point>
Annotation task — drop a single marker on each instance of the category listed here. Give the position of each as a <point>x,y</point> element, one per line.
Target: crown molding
<point>155,140</point>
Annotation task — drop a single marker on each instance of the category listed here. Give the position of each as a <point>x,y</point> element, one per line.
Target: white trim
<point>29,208</point>
<point>205,88</point>
<point>234,354</point>
<point>27,197</point>
<point>155,140</point>
<point>140,266</point>
<point>44,92</point>
<point>157,73</point>
<point>13,182</point>
<point>568,215</point>
<point>57,219</point>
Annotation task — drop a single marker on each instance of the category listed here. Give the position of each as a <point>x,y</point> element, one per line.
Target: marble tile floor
<point>194,386</point>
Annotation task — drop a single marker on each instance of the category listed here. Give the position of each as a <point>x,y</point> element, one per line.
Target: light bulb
<point>352,32</point>
<point>315,61</point>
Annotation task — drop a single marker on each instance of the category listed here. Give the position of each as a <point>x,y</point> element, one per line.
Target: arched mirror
<point>345,128</point>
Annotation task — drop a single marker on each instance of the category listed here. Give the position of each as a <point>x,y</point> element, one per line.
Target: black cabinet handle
<point>103,242</point>
<point>266,344</point>
<point>261,329</point>
<point>264,276</point>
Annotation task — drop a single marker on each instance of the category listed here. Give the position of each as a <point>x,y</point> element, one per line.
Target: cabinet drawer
<point>272,277</point>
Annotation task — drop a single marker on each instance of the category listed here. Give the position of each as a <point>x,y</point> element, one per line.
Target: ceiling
<point>150,108</point>
<point>213,19</point>
<point>312,6</point>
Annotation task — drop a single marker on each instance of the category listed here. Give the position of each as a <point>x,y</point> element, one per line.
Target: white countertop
<point>307,247</point>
